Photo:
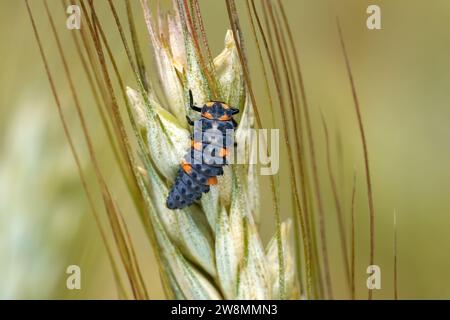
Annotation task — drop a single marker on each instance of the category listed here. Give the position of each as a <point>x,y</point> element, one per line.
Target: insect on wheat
<point>211,142</point>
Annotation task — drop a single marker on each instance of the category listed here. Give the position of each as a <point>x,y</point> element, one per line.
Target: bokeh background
<point>402,74</point>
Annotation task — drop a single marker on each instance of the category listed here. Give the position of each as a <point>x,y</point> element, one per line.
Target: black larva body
<point>211,140</point>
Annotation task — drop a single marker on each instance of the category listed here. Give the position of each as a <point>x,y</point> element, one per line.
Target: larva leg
<point>191,103</point>
<point>190,121</point>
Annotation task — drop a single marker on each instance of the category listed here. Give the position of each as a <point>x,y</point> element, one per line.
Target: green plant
<point>211,250</point>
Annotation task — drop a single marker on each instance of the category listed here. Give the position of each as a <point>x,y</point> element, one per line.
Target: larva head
<point>220,111</point>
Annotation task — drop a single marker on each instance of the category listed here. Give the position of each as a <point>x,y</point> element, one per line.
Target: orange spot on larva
<point>224,118</point>
<point>197,145</point>
<point>212,181</point>
<point>207,115</point>
<point>223,152</point>
<point>186,167</point>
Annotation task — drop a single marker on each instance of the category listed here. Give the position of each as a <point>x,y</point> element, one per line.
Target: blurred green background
<point>402,74</point>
